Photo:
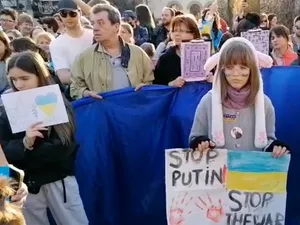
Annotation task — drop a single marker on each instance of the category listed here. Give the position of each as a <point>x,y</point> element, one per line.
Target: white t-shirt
<point>65,48</point>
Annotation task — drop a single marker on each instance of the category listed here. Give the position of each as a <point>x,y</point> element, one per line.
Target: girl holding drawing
<point>46,154</point>
<point>242,117</point>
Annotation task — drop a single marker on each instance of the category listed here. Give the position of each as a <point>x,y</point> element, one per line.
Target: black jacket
<point>168,67</point>
<point>48,162</point>
<point>160,34</point>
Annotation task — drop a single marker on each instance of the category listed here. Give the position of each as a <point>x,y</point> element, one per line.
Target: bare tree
<point>284,9</point>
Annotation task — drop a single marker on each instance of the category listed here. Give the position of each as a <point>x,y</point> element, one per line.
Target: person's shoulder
<point>161,45</point>
<point>293,55</point>
<point>295,62</point>
<point>58,42</point>
<point>167,54</point>
<point>206,100</point>
<point>134,48</point>
<point>171,50</point>
<point>207,97</point>
<point>267,99</point>
<point>9,90</point>
<point>143,28</point>
<point>3,115</point>
<point>268,103</point>
<point>87,52</point>
<point>158,29</point>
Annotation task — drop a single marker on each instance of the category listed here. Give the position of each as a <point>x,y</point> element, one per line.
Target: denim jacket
<point>140,35</point>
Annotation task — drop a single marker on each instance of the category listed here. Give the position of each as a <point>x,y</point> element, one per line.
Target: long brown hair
<point>32,62</point>
<point>144,15</point>
<point>238,52</point>
<point>27,44</point>
<point>4,38</point>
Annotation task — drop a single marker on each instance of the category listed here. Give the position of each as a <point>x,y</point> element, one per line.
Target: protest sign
<point>195,186</point>
<point>259,38</point>
<point>225,187</point>
<point>256,187</point>
<point>193,58</point>
<point>194,170</point>
<point>43,104</point>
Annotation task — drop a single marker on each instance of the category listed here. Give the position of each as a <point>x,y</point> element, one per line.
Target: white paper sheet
<point>44,104</point>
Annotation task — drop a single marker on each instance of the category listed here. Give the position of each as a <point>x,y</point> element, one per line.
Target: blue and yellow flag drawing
<point>257,172</point>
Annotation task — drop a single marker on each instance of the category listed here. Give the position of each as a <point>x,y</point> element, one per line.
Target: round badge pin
<point>236,132</point>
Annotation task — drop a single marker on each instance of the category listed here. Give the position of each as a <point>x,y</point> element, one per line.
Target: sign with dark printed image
<point>193,57</point>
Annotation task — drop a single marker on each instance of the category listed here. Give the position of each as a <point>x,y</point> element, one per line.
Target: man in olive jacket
<point>110,64</point>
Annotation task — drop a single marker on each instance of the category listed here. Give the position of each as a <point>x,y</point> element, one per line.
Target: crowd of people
<point>88,49</point>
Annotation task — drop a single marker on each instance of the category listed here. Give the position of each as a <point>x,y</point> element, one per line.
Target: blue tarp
<point>120,165</point>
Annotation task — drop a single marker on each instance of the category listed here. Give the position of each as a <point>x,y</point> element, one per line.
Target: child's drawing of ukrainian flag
<point>257,172</point>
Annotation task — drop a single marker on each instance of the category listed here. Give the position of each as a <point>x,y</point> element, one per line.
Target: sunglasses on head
<point>65,13</point>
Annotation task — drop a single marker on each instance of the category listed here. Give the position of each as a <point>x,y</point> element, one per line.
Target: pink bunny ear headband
<point>262,60</point>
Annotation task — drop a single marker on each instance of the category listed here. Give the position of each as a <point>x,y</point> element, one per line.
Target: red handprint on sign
<point>177,210</point>
<point>214,213</point>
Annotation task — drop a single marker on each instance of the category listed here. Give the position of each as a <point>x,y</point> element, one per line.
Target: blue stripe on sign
<point>4,171</point>
<point>258,162</point>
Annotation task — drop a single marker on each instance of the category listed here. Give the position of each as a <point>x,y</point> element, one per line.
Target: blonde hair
<point>129,29</point>
<point>45,35</point>
<point>9,213</point>
<point>234,53</point>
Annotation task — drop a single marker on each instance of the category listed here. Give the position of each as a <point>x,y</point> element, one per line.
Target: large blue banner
<point>120,165</point>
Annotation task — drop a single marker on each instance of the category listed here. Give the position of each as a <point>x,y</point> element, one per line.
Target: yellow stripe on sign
<point>257,182</point>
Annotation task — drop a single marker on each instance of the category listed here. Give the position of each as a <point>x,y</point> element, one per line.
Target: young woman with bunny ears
<point>236,114</point>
